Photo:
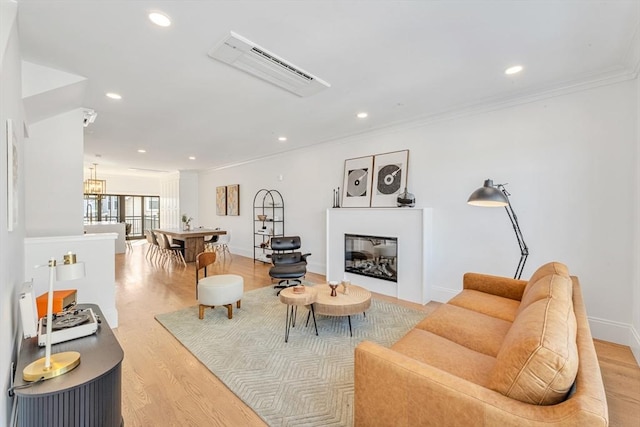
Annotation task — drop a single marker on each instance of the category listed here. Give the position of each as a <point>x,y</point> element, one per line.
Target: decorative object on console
<point>233,200</point>
<point>221,201</point>
<point>406,199</point>
<point>61,363</point>
<point>389,178</point>
<point>357,182</point>
<point>490,195</point>
<point>62,300</point>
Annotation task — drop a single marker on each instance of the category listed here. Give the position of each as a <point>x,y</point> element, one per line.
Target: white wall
<point>129,184</point>
<point>53,176</point>
<point>97,253</point>
<point>11,243</point>
<point>189,196</point>
<point>570,164</point>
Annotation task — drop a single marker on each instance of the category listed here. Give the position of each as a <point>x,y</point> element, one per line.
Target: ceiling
<point>399,61</point>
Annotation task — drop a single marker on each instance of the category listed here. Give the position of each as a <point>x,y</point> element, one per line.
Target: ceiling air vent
<point>241,53</point>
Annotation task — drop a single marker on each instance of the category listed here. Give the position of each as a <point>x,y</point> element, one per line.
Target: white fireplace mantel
<point>411,226</point>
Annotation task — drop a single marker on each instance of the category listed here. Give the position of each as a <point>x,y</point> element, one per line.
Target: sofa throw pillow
<point>538,360</point>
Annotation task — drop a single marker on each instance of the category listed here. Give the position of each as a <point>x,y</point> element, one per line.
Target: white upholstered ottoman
<point>220,289</point>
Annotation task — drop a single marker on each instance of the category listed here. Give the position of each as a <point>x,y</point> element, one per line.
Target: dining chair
<point>127,235</point>
<point>222,245</point>
<point>173,251</point>
<point>157,253</point>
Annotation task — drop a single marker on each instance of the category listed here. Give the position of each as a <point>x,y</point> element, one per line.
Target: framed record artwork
<point>356,187</point>
<point>389,178</point>
<point>221,201</point>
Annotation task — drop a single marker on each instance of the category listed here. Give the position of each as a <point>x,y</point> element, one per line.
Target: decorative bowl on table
<point>262,217</point>
<point>298,289</point>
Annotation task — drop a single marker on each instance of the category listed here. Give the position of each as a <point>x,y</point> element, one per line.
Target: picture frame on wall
<point>221,201</point>
<point>389,178</point>
<point>233,200</point>
<point>12,177</point>
<point>356,185</point>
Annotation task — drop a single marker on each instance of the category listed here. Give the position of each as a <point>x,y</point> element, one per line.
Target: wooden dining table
<point>193,239</point>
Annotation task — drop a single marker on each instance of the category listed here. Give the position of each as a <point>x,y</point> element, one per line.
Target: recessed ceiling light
<point>513,70</point>
<point>113,95</point>
<point>192,158</point>
<point>282,138</point>
<point>160,19</point>
<point>142,151</point>
<point>362,115</point>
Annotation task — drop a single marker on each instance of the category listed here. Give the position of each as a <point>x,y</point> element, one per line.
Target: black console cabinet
<point>89,395</point>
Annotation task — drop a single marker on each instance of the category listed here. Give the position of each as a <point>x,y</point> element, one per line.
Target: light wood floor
<point>164,385</point>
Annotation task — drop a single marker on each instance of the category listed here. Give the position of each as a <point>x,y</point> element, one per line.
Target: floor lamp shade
<point>488,195</point>
<point>496,195</point>
<point>55,365</point>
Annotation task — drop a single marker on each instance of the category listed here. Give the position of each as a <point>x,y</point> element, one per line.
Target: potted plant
<point>186,222</point>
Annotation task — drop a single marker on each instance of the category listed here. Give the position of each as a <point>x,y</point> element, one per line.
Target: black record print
<point>389,177</point>
<point>357,182</point>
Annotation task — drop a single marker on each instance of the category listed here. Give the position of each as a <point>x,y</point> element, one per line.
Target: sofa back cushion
<point>538,360</point>
<point>545,270</point>
<point>550,286</point>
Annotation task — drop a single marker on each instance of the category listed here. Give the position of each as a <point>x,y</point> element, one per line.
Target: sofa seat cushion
<point>491,305</point>
<point>538,361</point>
<point>469,328</point>
<point>446,355</point>
<point>550,286</point>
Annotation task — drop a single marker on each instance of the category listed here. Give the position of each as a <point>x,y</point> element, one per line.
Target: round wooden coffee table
<point>357,301</point>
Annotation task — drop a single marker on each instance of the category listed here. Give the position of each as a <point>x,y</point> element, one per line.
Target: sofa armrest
<point>392,389</point>
<point>495,285</point>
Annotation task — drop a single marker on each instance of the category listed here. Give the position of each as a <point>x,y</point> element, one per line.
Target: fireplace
<point>372,256</point>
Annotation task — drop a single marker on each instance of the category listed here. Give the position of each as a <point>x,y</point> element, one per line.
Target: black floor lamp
<point>490,195</point>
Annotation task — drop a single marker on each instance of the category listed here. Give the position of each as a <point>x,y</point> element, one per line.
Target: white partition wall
<point>95,250</point>
<point>412,228</point>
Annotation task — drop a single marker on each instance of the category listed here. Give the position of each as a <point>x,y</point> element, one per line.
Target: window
<point>142,212</point>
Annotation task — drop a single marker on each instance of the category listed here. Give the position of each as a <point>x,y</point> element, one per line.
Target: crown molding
<point>607,77</point>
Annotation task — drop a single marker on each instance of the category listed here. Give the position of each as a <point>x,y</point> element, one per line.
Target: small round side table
<point>293,300</point>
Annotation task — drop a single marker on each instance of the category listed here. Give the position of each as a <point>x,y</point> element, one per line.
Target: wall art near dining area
<point>221,200</point>
<point>233,199</point>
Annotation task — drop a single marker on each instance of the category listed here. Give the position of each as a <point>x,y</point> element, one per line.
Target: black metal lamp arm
<point>524,250</point>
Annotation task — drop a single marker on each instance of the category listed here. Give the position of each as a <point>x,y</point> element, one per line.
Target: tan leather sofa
<point>503,352</point>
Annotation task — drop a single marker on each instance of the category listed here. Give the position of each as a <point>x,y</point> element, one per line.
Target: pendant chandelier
<point>93,185</point>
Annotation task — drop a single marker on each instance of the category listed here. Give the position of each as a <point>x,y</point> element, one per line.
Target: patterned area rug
<point>305,382</point>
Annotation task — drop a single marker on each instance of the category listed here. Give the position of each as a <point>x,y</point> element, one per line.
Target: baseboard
<point>634,343</point>
<point>609,330</point>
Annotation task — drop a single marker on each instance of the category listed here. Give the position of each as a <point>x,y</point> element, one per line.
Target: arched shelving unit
<point>268,221</point>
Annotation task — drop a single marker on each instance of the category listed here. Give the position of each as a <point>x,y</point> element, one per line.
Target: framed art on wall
<point>389,178</point>
<point>233,199</point>
<point>221,201</point>
<point>356,185</point>
<point>12,177</point>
